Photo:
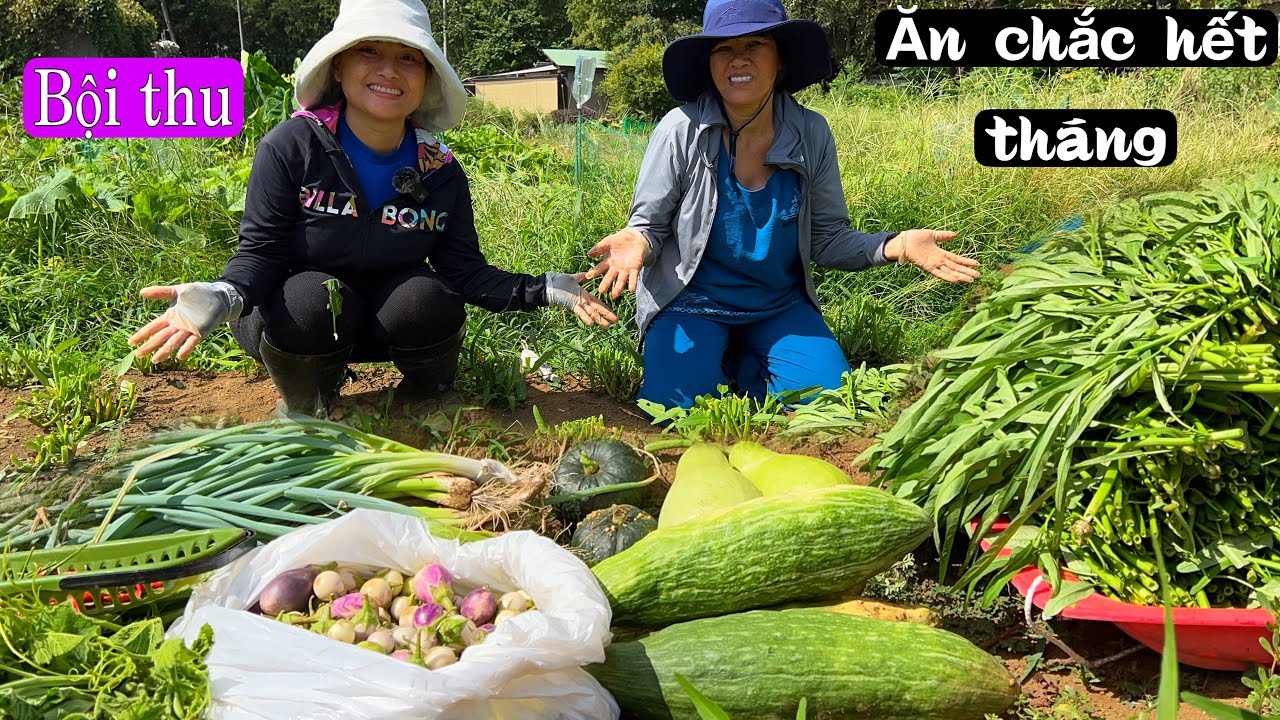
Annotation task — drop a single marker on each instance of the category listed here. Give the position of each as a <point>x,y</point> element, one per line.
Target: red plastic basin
<point>1209,638</point>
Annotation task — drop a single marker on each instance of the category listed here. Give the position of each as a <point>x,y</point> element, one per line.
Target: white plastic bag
<point>529,667</point>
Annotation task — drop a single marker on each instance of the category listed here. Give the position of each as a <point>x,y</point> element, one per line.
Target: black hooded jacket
<point>305,210</point>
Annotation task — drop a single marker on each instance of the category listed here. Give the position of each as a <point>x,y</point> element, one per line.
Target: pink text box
<point>133,97</point>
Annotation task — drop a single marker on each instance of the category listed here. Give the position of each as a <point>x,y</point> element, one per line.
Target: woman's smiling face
<point>384,81</point>
<point>744,69</point>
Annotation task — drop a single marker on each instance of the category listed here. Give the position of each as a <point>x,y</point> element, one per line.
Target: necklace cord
<point>733,134</point>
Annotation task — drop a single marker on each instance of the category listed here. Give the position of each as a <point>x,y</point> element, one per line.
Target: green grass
<point>122,214</point>
<point>907,161</point>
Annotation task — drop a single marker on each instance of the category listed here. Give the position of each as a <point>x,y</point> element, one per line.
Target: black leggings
<point>409,309</point>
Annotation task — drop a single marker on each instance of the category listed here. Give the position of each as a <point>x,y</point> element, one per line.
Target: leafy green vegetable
<point>1126,372</point>
<point>58,663</point>
<point>335,302</point>
<point>1068,593</point>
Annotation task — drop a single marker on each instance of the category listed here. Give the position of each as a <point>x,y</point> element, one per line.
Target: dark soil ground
<point>1056,687</point>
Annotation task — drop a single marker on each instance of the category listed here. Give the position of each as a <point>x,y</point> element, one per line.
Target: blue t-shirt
<point>751,267</point>
<point>376,169</point>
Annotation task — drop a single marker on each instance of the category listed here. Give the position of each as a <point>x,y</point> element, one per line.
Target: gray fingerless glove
<point>207,305</point>
<point>563,290</point>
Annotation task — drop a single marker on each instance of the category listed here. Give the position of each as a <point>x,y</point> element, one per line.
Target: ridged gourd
<point>758,665</point>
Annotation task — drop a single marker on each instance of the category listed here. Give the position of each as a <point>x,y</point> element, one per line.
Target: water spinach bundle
<point>1119,392</point>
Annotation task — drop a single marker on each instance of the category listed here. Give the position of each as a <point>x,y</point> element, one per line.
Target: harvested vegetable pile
<point>756,537</point>
<point>418,619</point>
<point>1120,388</point>
<point>273,476</point>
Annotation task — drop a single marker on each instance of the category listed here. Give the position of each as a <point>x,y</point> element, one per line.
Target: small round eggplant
<point>290,591</point>
<point>433,583</point>
<point>517,600</point>
<point>404,636</point>
<point>440,657</point>
<point>378,591</point>
<point>342,632</point>
<point>405,618</point>
<point>479,606</point>
<point>328,585</point>
<point>383,639</point>
<point>347,606</point>
<point>395,580</point>
<point>397,607</point>
<point>427,614</point>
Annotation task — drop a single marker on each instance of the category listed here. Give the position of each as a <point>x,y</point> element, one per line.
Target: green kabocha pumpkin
<point>596,464</point>
<point>605,533</point>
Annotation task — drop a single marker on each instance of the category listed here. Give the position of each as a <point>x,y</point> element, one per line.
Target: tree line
<point>481,37</point>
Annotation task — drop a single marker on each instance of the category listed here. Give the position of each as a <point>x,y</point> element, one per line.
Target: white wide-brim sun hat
<point>403,21</point>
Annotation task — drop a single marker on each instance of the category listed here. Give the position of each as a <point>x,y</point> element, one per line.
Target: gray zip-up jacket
<point>675,198</point>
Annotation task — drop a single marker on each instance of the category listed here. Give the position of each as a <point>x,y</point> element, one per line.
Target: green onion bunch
<point>1121,383</point>
<point>272,477</point>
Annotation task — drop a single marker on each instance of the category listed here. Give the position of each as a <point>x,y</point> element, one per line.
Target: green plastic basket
<point>114,576</point>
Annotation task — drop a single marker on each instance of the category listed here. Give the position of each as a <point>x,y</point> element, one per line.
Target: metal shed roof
<point>567,57</point>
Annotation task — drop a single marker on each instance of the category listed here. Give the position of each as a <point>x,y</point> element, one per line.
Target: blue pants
<point>687,355</point>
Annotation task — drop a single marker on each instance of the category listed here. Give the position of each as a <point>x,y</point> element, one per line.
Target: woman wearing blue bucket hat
<point>355,197</point>
<point>739,194</point>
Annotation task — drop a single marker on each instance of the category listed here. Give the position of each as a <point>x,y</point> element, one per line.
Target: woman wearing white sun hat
<point>356,188</point>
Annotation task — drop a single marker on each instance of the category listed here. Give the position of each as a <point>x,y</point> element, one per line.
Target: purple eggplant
<point>290,591</point>
<point>479,606</point>
<point>433,584</point>
<point>427,614</point>
<point>347,606</point>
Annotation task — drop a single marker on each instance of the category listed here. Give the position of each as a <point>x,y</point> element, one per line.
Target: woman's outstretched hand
<point>623,255</point>
<point>920,248</point>
<point>565,290</point>
<point>195,309</point>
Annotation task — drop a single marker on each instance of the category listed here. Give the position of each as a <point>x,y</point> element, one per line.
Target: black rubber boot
<point>429,371</point>
<point>306,383</point>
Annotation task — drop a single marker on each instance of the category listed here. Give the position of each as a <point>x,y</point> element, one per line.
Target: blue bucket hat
<point>803,46</point>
